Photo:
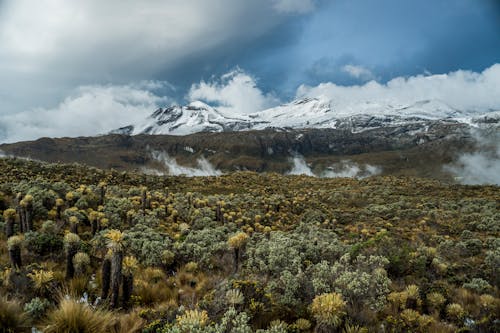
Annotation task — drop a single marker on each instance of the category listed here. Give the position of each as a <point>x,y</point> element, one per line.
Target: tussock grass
<point>12,316</point>
<point>73,316</point>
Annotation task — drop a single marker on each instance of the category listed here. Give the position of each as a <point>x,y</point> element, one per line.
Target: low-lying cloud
<point>300,167</point>
<point>350,169</point>
<point>89,111</point>
<point>480,167</point>
<point>343,169</point>
<point>204,167</point>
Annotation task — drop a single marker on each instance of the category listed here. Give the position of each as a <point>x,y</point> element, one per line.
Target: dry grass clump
<point>12,316</point>
<point>74,316</point>
<point>128,323</point>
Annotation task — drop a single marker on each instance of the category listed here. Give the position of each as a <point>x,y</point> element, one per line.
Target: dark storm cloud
<point>63,44</point>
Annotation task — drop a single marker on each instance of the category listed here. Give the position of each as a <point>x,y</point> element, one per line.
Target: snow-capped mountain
<point>182,120</point>
<point>307,113</point>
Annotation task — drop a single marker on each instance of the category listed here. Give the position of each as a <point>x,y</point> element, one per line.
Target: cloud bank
<point>97,109</point>
<point>478,168</point>
<point>464,90</point>
<point>90,110</point>
<point>235,92</point>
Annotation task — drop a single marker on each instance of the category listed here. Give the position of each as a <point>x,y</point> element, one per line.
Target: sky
<point>72,68</point>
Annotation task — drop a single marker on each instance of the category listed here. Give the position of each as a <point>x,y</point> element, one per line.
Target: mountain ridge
<point>303,113</point>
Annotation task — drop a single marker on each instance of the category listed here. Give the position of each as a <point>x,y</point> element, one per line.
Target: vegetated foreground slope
<point>244,252</point>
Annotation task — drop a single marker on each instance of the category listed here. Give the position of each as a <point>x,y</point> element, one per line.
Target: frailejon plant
<point>14,244</point>
<point>130,265</point>
<point>27,207</point>
<point>236,243</point>
<point>71,246</point>
<point>106,275</point>
<point>328,310</point>
<point>9,216</point>
<point>81,262</point>
<point>115,244</point>
<point>73,224</point>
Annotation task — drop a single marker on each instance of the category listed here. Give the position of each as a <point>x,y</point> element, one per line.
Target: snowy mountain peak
<point>199,105</point>
<point>319,112</point>
<point>182,120</point>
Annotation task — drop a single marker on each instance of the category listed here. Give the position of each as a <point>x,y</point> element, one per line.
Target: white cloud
<point>236,92</point>
<point>478,168</point>
<point>89,111</point>
<point>464,90</point>
<point>348,169</point>
<point>481,166</point>
<point>343,169</point>
<point>294,6</point>
<point>358,72</point>
<point>174,169</point>
<point>300,167</point>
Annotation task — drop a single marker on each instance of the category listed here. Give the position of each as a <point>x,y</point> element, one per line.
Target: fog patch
<point>343,169</point>
<point>204,168</point>
<point>348,169</point>
<point>300,167</point>
<point>12,156</point>
<point>481,167</point>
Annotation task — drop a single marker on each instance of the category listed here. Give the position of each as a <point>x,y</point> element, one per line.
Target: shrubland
<point>88,250</point>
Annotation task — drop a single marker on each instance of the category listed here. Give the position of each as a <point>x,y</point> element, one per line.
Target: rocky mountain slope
<point>401,150</point>
<point>311,136</point>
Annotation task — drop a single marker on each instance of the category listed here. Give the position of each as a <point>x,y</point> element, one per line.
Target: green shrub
<point>36,308</point>
<point>43,243</point>
<point>147,245</point>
